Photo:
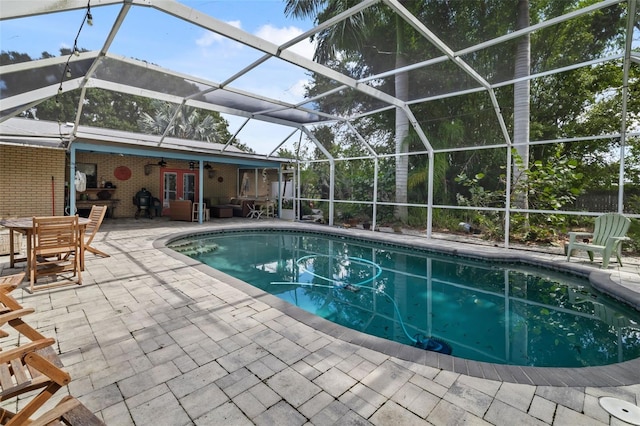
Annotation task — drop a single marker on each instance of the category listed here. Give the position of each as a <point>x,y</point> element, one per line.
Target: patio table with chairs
<point>54,244</point>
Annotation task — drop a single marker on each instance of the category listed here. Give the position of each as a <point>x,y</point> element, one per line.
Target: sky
<point>161,39</point>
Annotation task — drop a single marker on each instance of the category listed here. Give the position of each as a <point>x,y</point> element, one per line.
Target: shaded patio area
<point>152,339</point>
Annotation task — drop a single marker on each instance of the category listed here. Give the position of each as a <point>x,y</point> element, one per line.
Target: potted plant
<point>366,222</point>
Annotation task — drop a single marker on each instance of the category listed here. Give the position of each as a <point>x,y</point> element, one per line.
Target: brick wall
<point>26,187</point>
<point>213,189</point>
<point>26,184</point>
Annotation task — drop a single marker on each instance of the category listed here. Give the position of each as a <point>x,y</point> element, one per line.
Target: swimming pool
<point>486,311</point>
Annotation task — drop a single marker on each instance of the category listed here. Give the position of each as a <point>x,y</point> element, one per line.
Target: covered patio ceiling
<point>109,64</point>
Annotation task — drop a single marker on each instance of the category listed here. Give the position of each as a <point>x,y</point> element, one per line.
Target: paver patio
<point>150,339</point>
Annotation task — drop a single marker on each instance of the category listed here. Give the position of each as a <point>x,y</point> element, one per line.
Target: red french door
<point>177,184</point>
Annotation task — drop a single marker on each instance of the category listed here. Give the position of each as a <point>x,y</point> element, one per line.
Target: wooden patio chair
<point>608,234</point>
<point>30,366</point>
<point>55,251</point>
<point>27,367</point>
<point>8,283</point>
<point>8,303</point>
<point>96,216</point>
<point>13,326</point>
<point>69,411</point>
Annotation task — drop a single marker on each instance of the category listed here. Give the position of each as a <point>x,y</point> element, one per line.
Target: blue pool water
<point>493,312</point>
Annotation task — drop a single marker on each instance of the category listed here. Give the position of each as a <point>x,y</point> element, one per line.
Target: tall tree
<point>356,35</point>
<point>521,98</point>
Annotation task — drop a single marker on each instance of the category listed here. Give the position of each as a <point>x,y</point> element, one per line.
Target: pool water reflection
<point>493,312</point>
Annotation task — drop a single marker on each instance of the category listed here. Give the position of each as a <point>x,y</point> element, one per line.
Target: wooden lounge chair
<point>69,411</point>
<point>96,216</point>
<point>55,246</point>
<point>8,283</point>
<point>9,304</point>
<point>27,367</point>
<point>24,369</point>
<point>608,234</point>
<point>31,366</point>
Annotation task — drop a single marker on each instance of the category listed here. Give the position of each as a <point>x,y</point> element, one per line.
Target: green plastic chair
<point>607,237</point>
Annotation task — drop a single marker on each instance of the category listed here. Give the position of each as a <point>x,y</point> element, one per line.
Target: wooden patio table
<point>24,225</point>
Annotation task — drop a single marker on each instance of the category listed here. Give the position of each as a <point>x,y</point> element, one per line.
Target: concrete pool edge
<point>620,374</point>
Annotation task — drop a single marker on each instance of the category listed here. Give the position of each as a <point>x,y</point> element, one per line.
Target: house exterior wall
<point>32,181</point>
<point>106,165</point>
<point>214,190</point>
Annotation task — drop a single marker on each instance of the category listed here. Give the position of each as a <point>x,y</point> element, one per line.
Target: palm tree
<point>189,123</point>
<point>521,101</point>
<point>352,34</point>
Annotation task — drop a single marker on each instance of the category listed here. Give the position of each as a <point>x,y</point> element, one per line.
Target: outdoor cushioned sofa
<point>239,205</point>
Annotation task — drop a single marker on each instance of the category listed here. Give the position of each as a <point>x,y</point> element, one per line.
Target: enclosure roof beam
<point>436,41</point>
<point>535,27</point>
<point>207,22</point>
<point>497,40</point>
<point>308,34</point>
<point>123,88</point>
<point>92,69</point>
<point>230,141</point>
<point>282,143</point>
<point>361,139</point>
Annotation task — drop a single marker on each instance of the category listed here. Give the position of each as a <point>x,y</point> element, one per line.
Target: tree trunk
<point>402,128</point>
<point>521,104</point>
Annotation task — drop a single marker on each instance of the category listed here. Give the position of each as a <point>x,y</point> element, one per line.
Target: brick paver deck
<point>152,339</point>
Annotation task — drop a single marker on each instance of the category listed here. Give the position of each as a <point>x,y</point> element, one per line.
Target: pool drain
<point>620,409</point>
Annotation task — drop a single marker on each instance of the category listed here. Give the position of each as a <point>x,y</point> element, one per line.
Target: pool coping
<point>620,374</point>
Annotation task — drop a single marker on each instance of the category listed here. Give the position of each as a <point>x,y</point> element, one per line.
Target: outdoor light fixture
<point>162,163</point>
<point>89,16</point>
<point>211,171</point>
<point>192,165</point>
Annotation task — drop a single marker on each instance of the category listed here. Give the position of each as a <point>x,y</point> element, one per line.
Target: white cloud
<point>298,88</point>
<point>208,38</point>
<point>284,34</point>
